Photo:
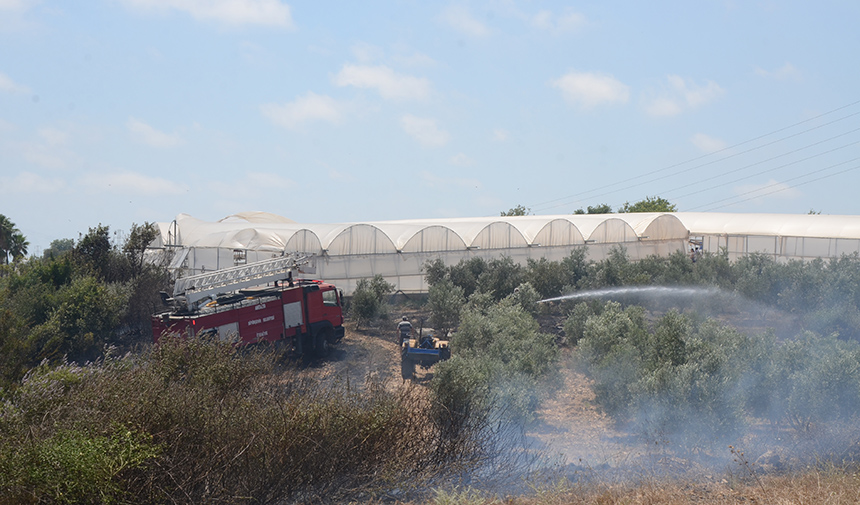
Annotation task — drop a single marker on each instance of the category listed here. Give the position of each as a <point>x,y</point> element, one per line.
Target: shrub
<point>194,421</point>
<point>547,277</point>
<point>445,301</point>
<point>501,277</point>
<point>368,300</point>
<point>526,297</point>
<point>676,381</point>
<point>501,356</point>
<point>74,466</point>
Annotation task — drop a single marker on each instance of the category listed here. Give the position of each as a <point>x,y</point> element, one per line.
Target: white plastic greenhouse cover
<point>784,236</point>
<point>267,232</point>
<point>347,252</point>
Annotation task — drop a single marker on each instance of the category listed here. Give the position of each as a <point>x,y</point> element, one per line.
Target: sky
<point>117,112</point>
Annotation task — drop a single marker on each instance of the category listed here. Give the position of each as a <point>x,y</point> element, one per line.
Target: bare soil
<point>599,462</point>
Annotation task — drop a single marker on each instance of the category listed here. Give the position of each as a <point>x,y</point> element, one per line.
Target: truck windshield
<point>330,298</point>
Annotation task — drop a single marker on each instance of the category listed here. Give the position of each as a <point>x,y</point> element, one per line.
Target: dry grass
<point>831,487</point>
<point>822,486</point>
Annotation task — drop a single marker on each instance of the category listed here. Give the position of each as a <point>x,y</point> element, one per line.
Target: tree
<point>466,274</point>
<point>547,277</point>
<point>500,278</point>
<point>519,210</point>
<point>93,251</point>
<point>445,301</point>
<point>603,208</point>
<point>435,271</point>
<point>12,242</point>
<point>649,204</point>
<point>368,299</point>
<point>18,246</point>
<point>59,246</point>
<point>138,239</point>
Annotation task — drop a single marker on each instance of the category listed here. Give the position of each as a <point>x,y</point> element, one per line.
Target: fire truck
<point>255,303</point>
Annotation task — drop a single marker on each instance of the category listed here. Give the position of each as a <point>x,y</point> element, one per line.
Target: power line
<point>781,186</point>
<point>765,161</point>
<point>566,200</point>
<point>719,159</point>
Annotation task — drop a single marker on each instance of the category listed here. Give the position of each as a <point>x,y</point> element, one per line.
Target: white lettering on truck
<point>254,321</point>
<point>260,306</point>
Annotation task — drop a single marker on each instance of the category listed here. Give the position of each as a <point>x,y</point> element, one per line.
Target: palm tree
<point>7,229</point>
<point>18,246</point>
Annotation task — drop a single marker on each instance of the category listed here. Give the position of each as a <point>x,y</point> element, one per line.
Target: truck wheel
<point>321,342</point>
<point>407,369</point>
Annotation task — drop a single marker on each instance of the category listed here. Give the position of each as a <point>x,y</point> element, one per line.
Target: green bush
<point>547,277</point>
<point>675,381</point>
<point>75,466</point>
<point>501,358</point>
<point>445,300</point>
<point>368,300</point>
<point>501,277</point>
<point>194,421</point>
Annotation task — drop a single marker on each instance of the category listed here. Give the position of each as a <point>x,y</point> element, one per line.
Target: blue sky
<point>124,111</point>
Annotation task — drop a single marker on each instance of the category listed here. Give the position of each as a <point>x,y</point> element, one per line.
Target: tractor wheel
<point>322,338</point>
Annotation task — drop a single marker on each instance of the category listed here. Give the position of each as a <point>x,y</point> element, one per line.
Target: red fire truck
<point>259,302</point>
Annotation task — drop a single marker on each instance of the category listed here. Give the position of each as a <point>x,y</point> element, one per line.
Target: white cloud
<point>338,176</point>
<point>43,155</point>
<point>434,181</point>
<point>501,135</point>
<point>568,22</point>
<point>461,160</point>
<point>54,136</point>
<point>10,86</point>
<point>424,130</point>
<point>589,89</point>
<point>695,95</point>
<point>145,134</point>
<point>246,189</point>
<point>15,5</point>
<point>366,53</point>
<point>459,18</point>
<point>131,183</point>
<point>787,71</point>
<point>254,54</point>
<point>311,107</point>
<point>28,183</point>
<point>663,107</point>
<point>681,94</point>
<point>235,12</point>
<point>707,143</point>
<point>413,59</point>
<point>388,83</point>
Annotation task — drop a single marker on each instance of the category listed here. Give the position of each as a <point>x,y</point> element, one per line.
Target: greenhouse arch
<point>398,250</point>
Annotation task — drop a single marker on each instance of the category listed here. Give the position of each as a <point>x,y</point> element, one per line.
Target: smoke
<point>752,389</point>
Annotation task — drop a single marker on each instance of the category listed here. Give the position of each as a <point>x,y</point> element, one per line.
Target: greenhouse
<point>345,253</point>
<point>784,236</point>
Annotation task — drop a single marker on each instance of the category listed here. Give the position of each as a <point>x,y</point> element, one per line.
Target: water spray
<point>661,291</point>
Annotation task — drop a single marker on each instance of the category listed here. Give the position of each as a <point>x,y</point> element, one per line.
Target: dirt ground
<point>571,430</point>
<point>570,427</point>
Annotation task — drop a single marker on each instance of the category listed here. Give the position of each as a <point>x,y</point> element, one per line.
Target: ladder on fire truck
<point>197,287</point>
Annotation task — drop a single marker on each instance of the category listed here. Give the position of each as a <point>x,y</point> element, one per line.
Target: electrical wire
<point>782,186</point>
<point>567,200</point>
<point>795,162</point>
